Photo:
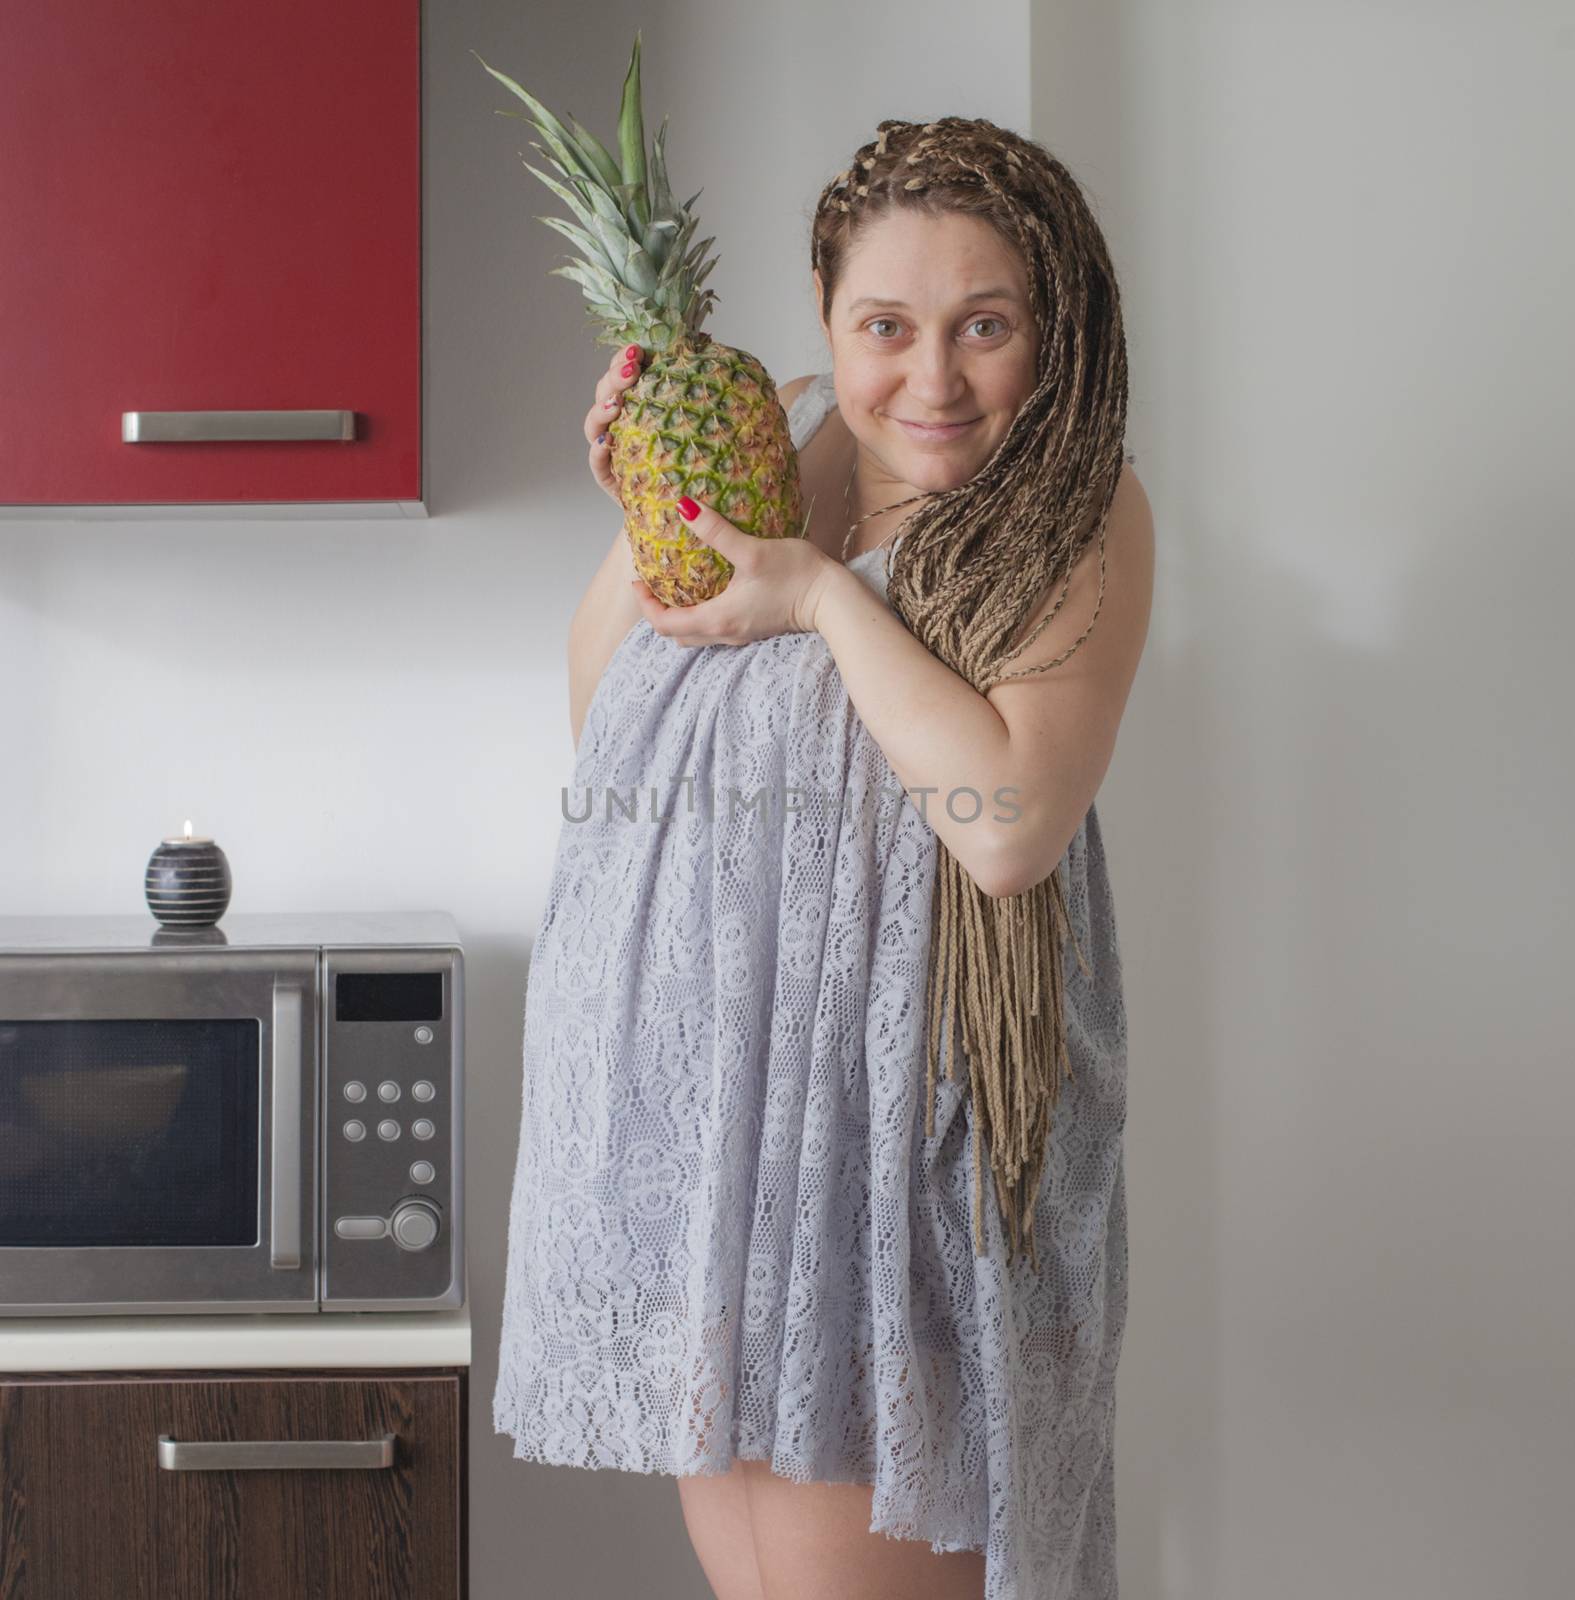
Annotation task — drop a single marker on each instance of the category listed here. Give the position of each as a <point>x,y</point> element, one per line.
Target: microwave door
<point>158,1131</point>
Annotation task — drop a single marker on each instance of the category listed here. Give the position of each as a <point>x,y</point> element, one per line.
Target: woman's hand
<point>622,370</point>
<point>775,587</point>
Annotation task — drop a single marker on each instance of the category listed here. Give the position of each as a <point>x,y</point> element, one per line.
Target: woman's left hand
<point>775,587</point>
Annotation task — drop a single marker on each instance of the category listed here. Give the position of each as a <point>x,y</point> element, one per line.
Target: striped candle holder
<point>187,882</point>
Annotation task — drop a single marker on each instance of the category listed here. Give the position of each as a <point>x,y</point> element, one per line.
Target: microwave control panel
<point>393,1129</point>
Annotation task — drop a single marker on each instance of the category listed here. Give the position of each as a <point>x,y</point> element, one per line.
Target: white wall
<point>1339,808</point>
<point>1335,814</point>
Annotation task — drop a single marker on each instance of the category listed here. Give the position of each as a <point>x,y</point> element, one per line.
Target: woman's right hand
<point>622,370</point>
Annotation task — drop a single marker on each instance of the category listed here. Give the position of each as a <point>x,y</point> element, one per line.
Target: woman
<point>751,1242</point>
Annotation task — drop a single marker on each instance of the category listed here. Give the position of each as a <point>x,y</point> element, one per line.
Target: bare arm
<point>1037,746</point>
<point>603,619</point>
<point>608,609</point>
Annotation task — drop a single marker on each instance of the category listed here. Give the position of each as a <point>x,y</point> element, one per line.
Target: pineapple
<point>702,419</point>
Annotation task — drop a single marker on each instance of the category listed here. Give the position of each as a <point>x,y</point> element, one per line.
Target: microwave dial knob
<point>414,1225</point>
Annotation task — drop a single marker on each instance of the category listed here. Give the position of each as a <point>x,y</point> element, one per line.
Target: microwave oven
<point>262,1115</point>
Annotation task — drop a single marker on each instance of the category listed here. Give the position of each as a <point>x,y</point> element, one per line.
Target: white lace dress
<point>729,1236</point>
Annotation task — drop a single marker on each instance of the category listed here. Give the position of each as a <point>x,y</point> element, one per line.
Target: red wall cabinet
<point>210,246</point>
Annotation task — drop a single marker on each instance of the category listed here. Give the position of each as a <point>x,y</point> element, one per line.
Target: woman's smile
<point>923,430</point>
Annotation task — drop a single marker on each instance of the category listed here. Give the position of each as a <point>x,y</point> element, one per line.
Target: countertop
<point>244,1339</point>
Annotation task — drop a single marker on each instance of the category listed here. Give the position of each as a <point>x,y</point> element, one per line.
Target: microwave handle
<point>284,1221</point>
<point>221,1455</point>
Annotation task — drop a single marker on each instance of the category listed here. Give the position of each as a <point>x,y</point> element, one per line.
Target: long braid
<point>973,566</point>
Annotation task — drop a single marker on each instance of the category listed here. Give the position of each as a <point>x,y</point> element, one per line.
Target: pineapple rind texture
<point>705,423</point>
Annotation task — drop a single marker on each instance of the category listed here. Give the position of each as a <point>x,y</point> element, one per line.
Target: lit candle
<point>187,882</point>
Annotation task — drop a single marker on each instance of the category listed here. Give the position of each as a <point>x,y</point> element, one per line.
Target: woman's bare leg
<point>815,1539</point>
<point>716,1513</point>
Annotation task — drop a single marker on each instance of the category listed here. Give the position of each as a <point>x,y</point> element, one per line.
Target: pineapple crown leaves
<point>634,238</point>
<point>600,273</point>
<point>661,195</point>
<point>631,135</point>
<point>613,247</point>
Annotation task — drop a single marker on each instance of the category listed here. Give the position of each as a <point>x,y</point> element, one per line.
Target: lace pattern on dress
<point>728,1234</point>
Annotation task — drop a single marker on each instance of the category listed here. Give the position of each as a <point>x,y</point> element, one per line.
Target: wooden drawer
<point>87,1511</point>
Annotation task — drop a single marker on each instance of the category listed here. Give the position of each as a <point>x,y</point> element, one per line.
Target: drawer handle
<point>222,1455</point>
<point>201,427</point>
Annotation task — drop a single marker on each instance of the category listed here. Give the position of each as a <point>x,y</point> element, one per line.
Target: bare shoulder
<point>1111,650</point>
<point>1063,722</point>
<point>788,392</point>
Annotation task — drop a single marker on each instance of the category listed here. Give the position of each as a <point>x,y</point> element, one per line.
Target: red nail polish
<point>631,352</point>
<point>687,508</point>
<point>628,370</point>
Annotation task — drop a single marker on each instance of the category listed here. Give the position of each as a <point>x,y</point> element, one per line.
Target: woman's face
<point>930,323</point>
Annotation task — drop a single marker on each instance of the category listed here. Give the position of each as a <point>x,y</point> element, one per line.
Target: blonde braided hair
<point>973,566</point>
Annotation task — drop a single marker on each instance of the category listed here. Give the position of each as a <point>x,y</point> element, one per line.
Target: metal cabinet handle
<point>199,427</point>
<point>223,1455</point>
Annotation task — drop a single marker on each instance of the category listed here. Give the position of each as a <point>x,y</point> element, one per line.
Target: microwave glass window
<point>129,1132</point>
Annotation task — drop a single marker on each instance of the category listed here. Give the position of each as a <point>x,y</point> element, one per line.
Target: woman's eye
<point>877,321</point>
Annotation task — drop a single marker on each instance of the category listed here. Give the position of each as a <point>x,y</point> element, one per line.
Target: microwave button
<point>422,1090</point>
<point>355,1129</point>
<point>422,1172</point>
<point>423,1034</point>
<point>355,1090</point>
<point>360,1227</point>
<point>388,1129</point>
<point>414,1225</point>
<point>388,1090</point>
<point>422,1129</point>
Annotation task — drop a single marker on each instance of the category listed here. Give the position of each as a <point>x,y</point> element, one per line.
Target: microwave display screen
<point>388,997</point>
<point>129,1132</point>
